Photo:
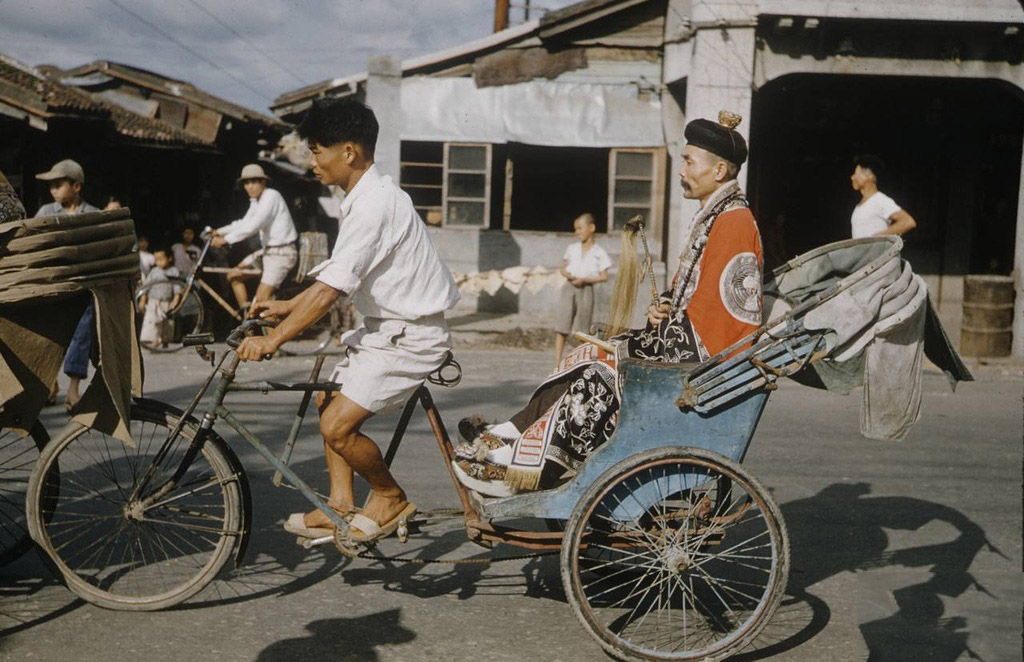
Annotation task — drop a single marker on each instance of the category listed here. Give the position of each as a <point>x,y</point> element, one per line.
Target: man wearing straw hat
<point>268,216</point>
<point>714,302</point>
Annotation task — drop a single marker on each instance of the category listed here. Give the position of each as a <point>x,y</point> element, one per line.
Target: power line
<point>192,51</point>
<point>227,26</point>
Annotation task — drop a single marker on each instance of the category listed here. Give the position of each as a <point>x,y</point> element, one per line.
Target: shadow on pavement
<point>29,601</point>
<point>354,639</point>
<point>842,529</point>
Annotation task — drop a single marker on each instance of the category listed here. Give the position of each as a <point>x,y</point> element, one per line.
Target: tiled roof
<point>177,88</point>
<point>40,96</point>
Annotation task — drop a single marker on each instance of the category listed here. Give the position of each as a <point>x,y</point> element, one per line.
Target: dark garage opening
<point>952,149</point>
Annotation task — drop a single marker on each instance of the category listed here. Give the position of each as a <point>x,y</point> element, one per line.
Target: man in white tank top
<point>876,214</point>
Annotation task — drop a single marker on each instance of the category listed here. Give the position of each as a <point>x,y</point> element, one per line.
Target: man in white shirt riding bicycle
<point>268,215</point>
<point>385,260</point>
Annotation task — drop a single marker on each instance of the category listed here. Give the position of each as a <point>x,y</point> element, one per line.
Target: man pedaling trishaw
<point>385,261</point>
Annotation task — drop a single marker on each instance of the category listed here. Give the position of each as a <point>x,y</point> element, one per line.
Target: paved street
<point>909,550</point>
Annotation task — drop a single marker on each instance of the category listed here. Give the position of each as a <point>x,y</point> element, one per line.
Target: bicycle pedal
<point>403,530</point>
<point>310,543</point>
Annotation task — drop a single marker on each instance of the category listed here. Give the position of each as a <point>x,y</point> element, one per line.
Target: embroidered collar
<point>727,197</point>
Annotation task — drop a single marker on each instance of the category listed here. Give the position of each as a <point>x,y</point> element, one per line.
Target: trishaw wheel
<point>18,456</point>
<point>144,552</point>
<point>675,554</point>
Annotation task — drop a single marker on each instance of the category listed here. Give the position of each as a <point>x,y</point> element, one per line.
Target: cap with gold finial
<point>721,138</point>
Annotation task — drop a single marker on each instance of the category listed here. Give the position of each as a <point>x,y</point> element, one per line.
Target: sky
<point>246,51</point>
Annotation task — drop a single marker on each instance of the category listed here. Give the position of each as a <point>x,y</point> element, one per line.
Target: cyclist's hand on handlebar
<point>217,241</point>
<point>257,348</point>
<point>271,309</point>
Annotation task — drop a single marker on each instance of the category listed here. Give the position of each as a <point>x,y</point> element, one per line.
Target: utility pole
<point>500,15</point>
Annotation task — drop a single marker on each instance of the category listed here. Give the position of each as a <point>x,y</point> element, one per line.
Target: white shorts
<point>387,360</point>
<point>275,261</point>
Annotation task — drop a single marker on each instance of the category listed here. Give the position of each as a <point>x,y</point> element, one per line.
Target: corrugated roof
<point>42,97</point>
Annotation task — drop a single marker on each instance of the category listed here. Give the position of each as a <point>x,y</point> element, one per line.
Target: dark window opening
<point>551,186</point>
<point>422,177</point>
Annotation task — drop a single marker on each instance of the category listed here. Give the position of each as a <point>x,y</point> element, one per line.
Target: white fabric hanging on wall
<point>536,113</point>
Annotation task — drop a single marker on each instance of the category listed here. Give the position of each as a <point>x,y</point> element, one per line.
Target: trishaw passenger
<point>267,216</point>
<point>714,301</point>
<point>66,179</point>
<point>384,259</point>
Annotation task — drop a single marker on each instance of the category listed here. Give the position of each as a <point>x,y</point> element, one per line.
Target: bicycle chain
<point>448,512</point>
<point>418,561</point>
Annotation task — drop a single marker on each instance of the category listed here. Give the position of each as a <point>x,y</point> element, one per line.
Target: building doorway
<point>952,149</point>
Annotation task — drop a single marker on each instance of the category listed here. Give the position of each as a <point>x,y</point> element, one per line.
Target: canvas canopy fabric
<point>878,325</point>
<point>535,113</point>
<point>49,269</point>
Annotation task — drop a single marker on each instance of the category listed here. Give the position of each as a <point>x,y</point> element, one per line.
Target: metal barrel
<point>987,328</point>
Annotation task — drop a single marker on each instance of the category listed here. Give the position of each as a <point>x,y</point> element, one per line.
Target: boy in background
<point>65,180</point>
<point>160,298</point>
<point>583,264</point>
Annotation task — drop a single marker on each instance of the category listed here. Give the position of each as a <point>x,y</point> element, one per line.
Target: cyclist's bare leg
<point>263,292</point>
<point>239,288</point>
<point>341,497</point>
<point>340,424</point>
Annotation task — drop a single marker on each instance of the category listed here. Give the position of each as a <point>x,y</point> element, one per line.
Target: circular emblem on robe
<point>740,288</point>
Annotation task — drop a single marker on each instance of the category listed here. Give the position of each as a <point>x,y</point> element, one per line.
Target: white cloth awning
<point>536,113</point>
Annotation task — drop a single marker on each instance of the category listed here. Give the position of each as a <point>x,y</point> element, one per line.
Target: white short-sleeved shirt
<point>589,265</point>
<point>384,257</point>
<point>872,215</point>
<point>269,216</point>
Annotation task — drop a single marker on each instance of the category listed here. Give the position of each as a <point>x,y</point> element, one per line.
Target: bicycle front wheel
<point>126,547</point>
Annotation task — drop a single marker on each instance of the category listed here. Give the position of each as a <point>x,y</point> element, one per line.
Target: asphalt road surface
<point>900,551</point>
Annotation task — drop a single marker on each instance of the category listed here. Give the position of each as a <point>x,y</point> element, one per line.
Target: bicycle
<point>649,526</point>
<point>190,316</point>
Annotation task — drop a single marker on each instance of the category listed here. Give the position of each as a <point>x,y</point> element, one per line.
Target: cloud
<point>258,50</point>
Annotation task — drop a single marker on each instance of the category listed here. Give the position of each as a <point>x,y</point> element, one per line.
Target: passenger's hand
<point>658,312</point>
<point>271,309</point>
<point>257,348</point>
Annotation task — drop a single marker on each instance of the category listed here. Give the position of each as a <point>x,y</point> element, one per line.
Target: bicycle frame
<point>193,278</point>
<point>478,530</point>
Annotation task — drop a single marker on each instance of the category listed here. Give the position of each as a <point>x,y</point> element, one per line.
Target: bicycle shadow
<point>462,576</point>
<point>355,639</point>
<point>26,602</point>
<point>273,564</point>
<point>843,529</point>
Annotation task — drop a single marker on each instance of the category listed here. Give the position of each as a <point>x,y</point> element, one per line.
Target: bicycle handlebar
<point>244,329</point>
